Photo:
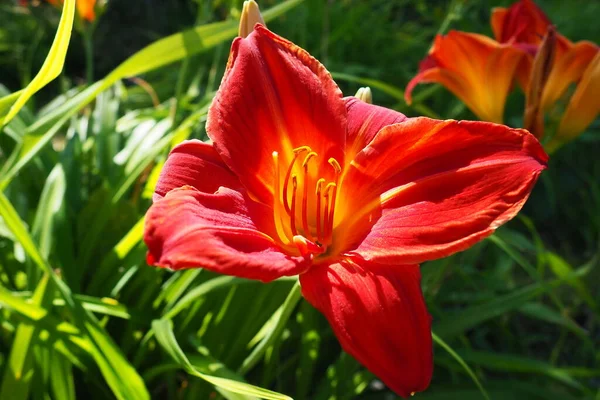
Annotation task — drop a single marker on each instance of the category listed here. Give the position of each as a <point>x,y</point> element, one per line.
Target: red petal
<point>224,232</point>
<point>274,97</point>
<point>523,22</point>
<point>436,188</point>
<point>194,163</point>
<point>364,121</point>
<point>379,317</point>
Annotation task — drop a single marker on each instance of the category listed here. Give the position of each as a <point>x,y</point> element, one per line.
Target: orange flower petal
<point>583,107</point>
<point>570,62</point>
<point>274,97</point>
<point>85,8</point>
<point>477,69</point>
<point>379,316</point>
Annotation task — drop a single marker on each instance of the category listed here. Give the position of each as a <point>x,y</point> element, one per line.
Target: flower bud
<point>364,94</point>
<point>533,119</point>
<point>250,17</point>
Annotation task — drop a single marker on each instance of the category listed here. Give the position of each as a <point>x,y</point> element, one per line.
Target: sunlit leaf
<point>51,68</point>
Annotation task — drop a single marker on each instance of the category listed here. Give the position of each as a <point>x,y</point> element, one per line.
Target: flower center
<point>304,202</point>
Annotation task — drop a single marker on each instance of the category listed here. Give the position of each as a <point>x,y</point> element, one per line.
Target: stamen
<point>293,209</point>
<point>328,217</point>
<point>335,164</point>
<point>300,239</point>
<point>286,180</point>
<point>320,183</point>
<point>325,214</point>
<point>307,158</point>
<point>305,195</point>
<point>301,149</point>
<point>277,203</point>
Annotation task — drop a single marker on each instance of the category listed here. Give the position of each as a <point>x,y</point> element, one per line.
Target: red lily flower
<point>348,195</point>
<point>525,25</point>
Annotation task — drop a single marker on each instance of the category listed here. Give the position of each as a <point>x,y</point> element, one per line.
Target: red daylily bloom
<point>348,195</point>
<point>477,69</point>
<point>524,25</point>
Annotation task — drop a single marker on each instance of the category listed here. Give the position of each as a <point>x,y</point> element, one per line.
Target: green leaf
<point>164,334</point>
<point>49,206</point>
<point>19,373</point>
<point>110,360</point>
<point>543,312</point>
<point>520,364</point>
<point>462,363</point>
<point>462,321</point>
<point>272,330</point>
<point>564,270</point>
<point>61,378</point>
<point>153,56</point>
<point>52,66</point>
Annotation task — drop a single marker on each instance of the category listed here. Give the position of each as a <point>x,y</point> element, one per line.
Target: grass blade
<point>52,66</point>
<point>164,334</point>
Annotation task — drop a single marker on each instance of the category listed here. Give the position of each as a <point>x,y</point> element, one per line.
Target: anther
<point>301,149</point>
<point>307,158</point>
<point>286,181</point>
<point>335,164</point>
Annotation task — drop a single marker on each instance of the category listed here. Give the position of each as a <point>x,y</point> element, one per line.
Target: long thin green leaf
<point>274,328</point>
<point>517,363</point>
<point>18,375</point>
<point>153,56</point>
<point>111,361</point>
<point>462,363</point>
<point>461,322</point>
<point>53,64</point>
<point>166,338</point>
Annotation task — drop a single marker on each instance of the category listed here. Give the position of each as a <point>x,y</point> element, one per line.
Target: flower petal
<point>194,163</point>
<point>436,188</point>
<point>523,22</point>
<point>379,317</point>
<point>569,65</point>
<point>583,107</point>
<point>223,232</point>
<point>477,69</point>
<point>274,97</point>
<point>364,121</point>
<point>85,8</point>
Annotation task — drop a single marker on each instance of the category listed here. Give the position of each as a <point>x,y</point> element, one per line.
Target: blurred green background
<point>81,313</point>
